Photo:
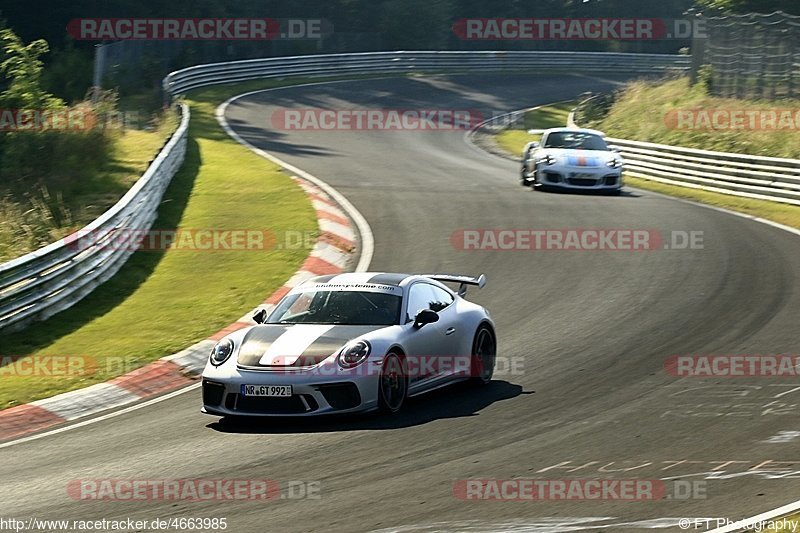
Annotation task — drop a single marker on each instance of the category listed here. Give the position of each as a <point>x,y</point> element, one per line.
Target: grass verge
<point>159,302</point>
<point>513,142</point>
<point>550,116</point>
<point>34,218</point>
<point>774,211</point>
<point>648,111</point>
<point>783,525</point>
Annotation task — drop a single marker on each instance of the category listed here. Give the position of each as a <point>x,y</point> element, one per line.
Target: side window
<point>418,297</point>
<point>441,300</point>
<point>425,296</point>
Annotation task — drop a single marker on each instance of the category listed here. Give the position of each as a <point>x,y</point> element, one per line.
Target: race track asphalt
<point>588,331</point>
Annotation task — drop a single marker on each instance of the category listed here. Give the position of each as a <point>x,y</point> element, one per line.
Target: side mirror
<point>534,145</point>
<point>614,149</point>
<point>426,316</point>
<point>261,316</point>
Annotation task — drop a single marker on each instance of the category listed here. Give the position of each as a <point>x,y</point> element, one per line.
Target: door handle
<point>450,331</point>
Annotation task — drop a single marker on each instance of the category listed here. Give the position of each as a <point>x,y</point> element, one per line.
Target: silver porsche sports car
<point>572,158</point>
<point>352,342</point>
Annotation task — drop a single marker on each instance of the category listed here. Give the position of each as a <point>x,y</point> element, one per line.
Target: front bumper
<point>602,179</point>
<point>312,394</point>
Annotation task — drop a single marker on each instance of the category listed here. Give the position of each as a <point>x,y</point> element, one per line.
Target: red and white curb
<point>332,254</point>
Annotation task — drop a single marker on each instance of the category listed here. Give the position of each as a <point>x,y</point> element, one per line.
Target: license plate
<point>281,391</point>
<point>580,175</point>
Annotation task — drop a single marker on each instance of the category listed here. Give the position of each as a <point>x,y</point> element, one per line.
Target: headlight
<point>547,160</point>
<point>221,352</point>
<point>615,163</point>
<point>354,354</point>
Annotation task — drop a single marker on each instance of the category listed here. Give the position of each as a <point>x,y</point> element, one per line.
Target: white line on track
<point>364,230</point>
<point>101,418</point>
<point>367,238</point>
<point>752,522</point>
<point>766,516</point>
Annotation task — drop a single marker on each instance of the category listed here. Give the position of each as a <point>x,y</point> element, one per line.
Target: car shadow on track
<point>577,192</point>
<point>455,401</point>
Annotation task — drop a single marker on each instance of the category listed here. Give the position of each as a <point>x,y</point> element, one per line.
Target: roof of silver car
<point>575,130</point>
<point>368,278</point>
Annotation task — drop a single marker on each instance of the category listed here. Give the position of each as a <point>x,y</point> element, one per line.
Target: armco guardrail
<point>51,279</point>
<point>190,78</point>
<point>766,178</point>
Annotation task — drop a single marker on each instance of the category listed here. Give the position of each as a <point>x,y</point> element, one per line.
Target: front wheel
<point>392,384</point>
<point>523,176</point>
<point>528,179</point>
<point>484,352</point>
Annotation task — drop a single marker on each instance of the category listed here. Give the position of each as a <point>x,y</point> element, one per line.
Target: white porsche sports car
<point>352,342</point>
<point>572,158</point>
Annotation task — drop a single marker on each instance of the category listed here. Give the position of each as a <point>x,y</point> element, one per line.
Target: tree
<point>416,24</point>
<point>23,67</point>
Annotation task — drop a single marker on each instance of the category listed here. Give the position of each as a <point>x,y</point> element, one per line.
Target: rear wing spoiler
<point>463,281</point>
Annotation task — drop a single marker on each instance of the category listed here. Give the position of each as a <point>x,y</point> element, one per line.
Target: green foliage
<point>158,288</point>
<point>594,109</point>
<point>32,221</point>
<point>705,78</point>
<point>33,156</point>
<point>68,72</point>
<point>404,27</point>
<point>646,111</point>
<point>23,68</point>
<point>512,141</point>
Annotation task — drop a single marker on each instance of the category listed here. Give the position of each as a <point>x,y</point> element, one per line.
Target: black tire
<point>484,354</point>
<point>392,384</point>
<point>524,180</point>
<point>535,183</point>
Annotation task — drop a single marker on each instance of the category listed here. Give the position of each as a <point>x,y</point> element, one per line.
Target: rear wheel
<point>484,352</point>
<point>392,384</point>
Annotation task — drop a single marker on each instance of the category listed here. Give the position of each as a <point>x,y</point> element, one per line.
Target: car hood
<point>579,158</point>
<point>295,345</point>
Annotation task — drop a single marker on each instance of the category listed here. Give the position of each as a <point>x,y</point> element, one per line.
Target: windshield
<point>575,141</point>
<point>353,308</point>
